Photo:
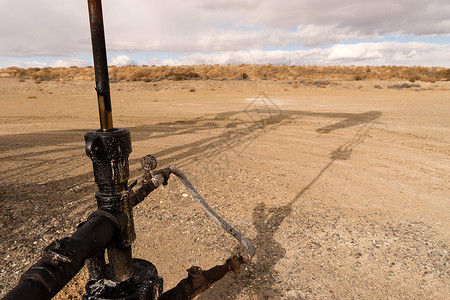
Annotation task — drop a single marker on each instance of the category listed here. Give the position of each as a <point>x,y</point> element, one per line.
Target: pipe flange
<point>119,219</point>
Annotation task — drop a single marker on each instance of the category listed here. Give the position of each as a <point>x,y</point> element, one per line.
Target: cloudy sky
<point>175,32</point>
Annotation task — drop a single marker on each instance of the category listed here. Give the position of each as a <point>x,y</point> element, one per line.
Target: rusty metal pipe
<point>100,64</point>
<point>199,281</point>
<point>160,177</point>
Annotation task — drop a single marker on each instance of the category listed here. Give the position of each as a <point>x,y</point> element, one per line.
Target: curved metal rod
<point>218,219</point>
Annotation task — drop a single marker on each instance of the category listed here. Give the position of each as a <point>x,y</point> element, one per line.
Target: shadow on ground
<point>262,277</point>
<point>21,202</point>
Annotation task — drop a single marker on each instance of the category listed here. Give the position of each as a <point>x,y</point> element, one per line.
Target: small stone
<point>184,195</point>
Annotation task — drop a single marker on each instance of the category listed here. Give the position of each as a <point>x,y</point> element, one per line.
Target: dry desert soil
<point>343,188</point>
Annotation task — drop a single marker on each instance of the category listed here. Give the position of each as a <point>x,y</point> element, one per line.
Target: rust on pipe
<point>199,281</point>
<point>100,64</point>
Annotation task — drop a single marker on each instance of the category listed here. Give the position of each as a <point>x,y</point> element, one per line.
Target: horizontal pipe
<point>149,185</point>
<point>48,276</point>
<point>63,259</point>
<point>199,281</point>
<point>28,289</point>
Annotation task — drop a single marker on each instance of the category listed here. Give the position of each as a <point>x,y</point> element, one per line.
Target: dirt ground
<point>344,189</point>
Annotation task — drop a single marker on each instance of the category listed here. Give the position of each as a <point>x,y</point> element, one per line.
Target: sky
<point>43,33</point>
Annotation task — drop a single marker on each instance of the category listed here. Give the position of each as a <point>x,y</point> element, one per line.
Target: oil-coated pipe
<point>63,259</point>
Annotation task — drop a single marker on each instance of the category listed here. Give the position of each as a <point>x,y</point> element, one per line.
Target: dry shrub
<point>443,74</point>
<point>427,78</point>
<point>308,74</point>
<point>403,86</point>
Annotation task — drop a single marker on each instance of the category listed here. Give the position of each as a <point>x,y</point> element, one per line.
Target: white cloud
<point>231,5</point>
<point>69,62</point>
<point>122,60</point>
<point>43,28</point>
<point>356,52</point>
<point>389,53</point>
<point>386,53</point>
<point>49,28</point>
<point>65,63</point>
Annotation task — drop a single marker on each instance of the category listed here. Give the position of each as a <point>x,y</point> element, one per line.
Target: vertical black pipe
<point>100,64</point>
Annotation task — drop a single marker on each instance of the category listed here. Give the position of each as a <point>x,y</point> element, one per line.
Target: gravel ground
<point>343,188</point>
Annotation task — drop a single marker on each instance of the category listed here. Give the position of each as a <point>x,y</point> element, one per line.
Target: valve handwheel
<point>149,163</point>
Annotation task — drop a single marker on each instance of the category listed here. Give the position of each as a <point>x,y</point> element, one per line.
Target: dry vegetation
<point>235,72</point>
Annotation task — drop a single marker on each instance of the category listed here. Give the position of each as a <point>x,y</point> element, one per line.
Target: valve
<point>148,163</point>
